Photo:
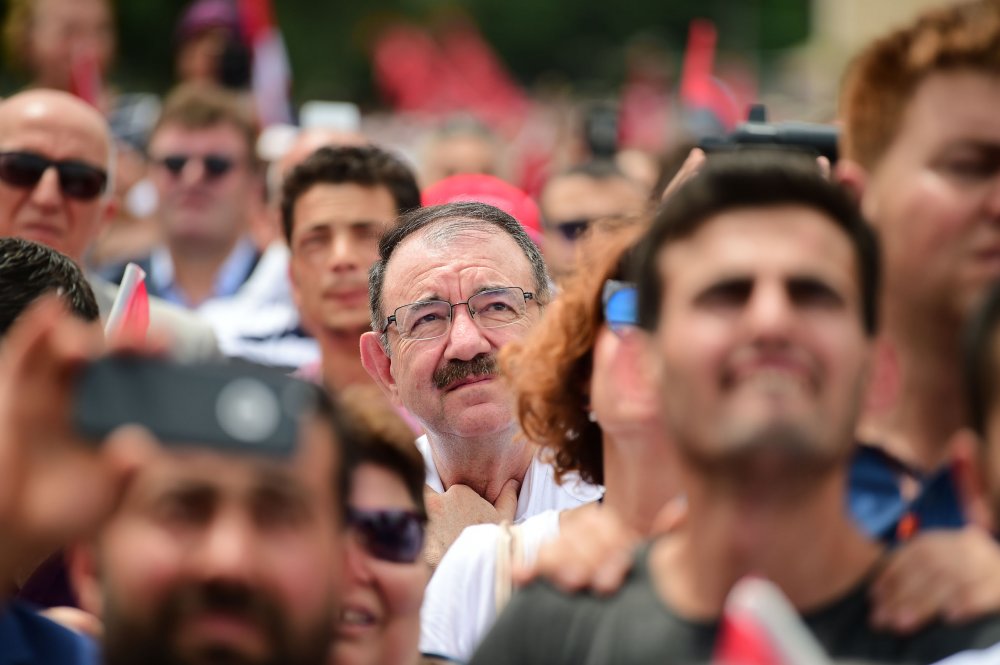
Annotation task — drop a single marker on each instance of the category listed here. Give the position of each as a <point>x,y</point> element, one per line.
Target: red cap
<point>493,191</point>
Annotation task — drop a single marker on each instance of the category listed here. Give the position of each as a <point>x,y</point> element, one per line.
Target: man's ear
<point>970,475</point>
<point>294,283</point>
<point>852,176</point>
<point>81,562</point>
<point>379,365</point>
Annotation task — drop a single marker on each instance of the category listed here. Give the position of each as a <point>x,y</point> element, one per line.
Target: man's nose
<point>770,312</point>
<point>356,562</point>
<point>343,254</point>
<point>466,339</point>
<point>46,193</point>
<point>226,552</point>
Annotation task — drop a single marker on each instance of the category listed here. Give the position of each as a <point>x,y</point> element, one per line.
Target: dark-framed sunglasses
<point>621,304</point>
<point>389,535</point>
<point>215,166</point>
<point>572,229</point>
<point>77,179</point>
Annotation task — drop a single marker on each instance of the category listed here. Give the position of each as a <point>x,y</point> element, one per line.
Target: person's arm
<point>54,487</point>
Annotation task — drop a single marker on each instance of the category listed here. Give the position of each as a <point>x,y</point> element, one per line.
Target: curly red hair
<point>549,370</point>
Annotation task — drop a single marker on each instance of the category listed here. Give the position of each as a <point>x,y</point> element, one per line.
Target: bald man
<point>56,162</point>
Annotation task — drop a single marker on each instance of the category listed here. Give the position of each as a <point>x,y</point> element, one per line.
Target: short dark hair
<point>368,166</point>
<point>457,215</point>
<point>29,270</point>
<point>756,179</point>
<point>980,361</point>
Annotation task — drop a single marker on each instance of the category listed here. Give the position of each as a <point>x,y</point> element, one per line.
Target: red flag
<point>699,88</point>
<point>129,317</point>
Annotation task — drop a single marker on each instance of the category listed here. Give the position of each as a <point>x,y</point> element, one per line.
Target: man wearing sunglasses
<point>575,199</point>
<point>56,161</point>
<point>205,171</point>
<point>452,285</point>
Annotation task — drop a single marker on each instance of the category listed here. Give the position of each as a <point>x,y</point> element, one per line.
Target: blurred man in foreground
<point>758,286</point>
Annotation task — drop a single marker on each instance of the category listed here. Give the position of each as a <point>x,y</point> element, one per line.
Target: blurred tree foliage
<point>579,42</point>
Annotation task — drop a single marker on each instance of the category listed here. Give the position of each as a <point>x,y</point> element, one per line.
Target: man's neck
<point>341,358</point>
<point>640,478</point>
<point>805,544</point>
<point>916,423</point>
<point>196,269</point>
<point>484,464</point>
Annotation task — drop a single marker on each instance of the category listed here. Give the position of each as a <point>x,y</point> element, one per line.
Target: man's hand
<point>594,550</point>
<point>953,575</point>
<point>458,507</point>
<point>53,486</point>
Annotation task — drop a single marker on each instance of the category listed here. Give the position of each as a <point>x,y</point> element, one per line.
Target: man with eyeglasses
<point>56,167</point>
<point>452,285</point>
<point>573,200</point>
<point>204,167</point>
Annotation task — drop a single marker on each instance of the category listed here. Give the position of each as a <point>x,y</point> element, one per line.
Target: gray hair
<point>444,222</point>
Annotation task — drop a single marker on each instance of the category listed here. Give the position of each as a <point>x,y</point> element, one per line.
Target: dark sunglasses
<point>77,179</point>
<point>572,229</point>
<point>621,304</point>
<point>389,535</point>
<point>215,166</point>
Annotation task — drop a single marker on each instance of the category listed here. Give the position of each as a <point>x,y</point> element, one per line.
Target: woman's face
<point>623,393</point>
<point>380,619</point>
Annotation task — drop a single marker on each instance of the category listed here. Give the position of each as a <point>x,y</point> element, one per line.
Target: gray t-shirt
<point>542,625</point>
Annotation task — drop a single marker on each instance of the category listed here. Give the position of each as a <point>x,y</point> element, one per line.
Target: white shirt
<point>539,491</point>
<point>460,602</point>
<point>989,656</point>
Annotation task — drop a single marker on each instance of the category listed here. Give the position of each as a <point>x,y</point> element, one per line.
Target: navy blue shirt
<point>27,638</point>
<point>875,500</point>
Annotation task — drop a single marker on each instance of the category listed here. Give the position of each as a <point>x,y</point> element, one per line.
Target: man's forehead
<point>954,106</point>
<point>750,239</point>
<point>223,473</point>
<point>346,202</point>
<point>219,134</point>
<point>53,123</point>
<point>439,254</point>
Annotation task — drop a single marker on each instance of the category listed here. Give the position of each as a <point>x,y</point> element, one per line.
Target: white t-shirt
<point>460,602</point>
<point>989,656</point>
<point>539,491</point>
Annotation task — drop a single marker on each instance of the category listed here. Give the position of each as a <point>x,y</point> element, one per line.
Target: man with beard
<point>757,286</point>
<point>452,284</point>
<point>223,558</point>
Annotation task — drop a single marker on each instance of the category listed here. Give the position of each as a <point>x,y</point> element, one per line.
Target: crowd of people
<point>378,412</point>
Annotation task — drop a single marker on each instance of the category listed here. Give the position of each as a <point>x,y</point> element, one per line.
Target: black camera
<point>756,132</point>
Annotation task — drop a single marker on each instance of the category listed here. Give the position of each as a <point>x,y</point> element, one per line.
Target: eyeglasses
<point>215,166</point>
<point>77,179</point>
<point>621,304</point>
<point>572,229</point>
<point>389,535</point>
<point>432,318</point>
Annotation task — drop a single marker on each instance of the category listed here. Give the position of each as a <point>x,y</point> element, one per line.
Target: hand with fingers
<point>460,506</point>
<point>594,550</point>
<point>952,575</point>
<point>54,486</point>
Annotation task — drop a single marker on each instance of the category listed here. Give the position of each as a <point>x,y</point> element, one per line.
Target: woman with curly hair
<point>586,396</point>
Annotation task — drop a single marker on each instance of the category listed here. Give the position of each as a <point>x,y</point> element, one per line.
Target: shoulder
<point>29,637</point>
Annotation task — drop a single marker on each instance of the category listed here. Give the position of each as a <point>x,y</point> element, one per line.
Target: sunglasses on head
<point>215,166</point>
<point>621,304</point>
<point>389,535</point>
<point>77,179</point>
<point>572,229</point>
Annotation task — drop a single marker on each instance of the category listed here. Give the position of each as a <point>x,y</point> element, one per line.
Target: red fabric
<point>135,322</point>
<point>744,642</point>
<point>85,78</point>
<point>492,191</point>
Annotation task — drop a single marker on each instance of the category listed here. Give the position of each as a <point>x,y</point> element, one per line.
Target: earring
<point>592,416</point>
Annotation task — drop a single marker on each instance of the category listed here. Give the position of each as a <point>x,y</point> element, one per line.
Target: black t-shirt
<point>542,625</point>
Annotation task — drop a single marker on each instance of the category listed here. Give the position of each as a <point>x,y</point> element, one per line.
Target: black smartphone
<point>232,408</point>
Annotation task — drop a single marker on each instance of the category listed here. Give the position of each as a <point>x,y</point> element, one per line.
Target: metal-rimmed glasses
<point>493,308</point>
<point>621,304</point>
